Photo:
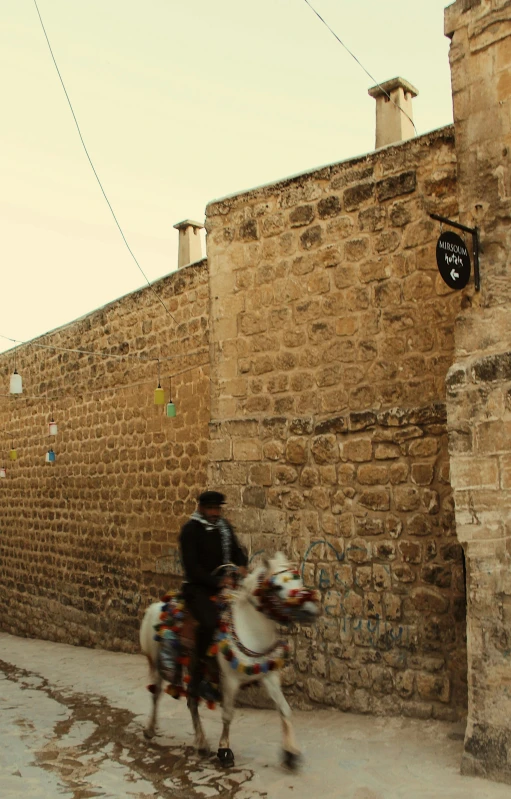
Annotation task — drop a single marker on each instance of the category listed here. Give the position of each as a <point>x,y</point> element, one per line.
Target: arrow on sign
<point>454,274</point>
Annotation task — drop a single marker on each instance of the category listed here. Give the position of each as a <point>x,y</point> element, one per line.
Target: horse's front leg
<point>291,752</point>
<point>201,743</point>
<point>230,686</point>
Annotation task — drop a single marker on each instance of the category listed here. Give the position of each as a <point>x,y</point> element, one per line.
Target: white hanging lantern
<point>16,386</point>
<point>3,472</point>
<point>53,428</point>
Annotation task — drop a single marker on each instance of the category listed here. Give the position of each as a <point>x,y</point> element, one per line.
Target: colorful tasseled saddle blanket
<point>175,632</point>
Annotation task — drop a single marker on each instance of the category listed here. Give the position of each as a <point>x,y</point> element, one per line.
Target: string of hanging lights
<point>50,456</point>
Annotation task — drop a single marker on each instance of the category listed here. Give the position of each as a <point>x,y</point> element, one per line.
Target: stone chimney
<point>190,246</point>
<point>392,126</point>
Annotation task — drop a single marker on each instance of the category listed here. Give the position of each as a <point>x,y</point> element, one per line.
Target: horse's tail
<point>148,644</point>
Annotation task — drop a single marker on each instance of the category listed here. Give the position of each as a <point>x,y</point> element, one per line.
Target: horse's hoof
<point>148,734</point>
<point>291,760</point>
<point>226,757</point>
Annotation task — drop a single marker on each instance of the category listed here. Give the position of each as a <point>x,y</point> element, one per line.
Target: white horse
<point>249,649</point>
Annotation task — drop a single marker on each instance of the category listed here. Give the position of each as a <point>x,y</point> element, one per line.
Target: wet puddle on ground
<point>96,750</point>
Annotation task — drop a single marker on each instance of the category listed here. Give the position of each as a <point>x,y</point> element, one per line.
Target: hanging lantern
<point>171,408</point>
<point>3,472</point>
<point>50,456</point>
<point>159,395</point>
<point>13,454</point>
<point>16,386</point>
<point>53,427</point>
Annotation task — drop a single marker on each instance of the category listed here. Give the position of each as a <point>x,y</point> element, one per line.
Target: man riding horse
<point>207,542</point>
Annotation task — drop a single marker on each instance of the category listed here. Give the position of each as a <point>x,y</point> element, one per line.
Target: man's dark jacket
<point>201,550</point>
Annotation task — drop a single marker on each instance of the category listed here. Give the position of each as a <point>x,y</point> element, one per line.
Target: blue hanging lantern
<point>50,456</point>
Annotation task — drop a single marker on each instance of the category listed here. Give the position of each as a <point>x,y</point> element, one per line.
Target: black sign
<point>453,260</point>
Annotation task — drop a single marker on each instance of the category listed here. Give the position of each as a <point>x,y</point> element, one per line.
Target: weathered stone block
<point>384,550</point>
<point>358,550</point>
<point>404,183</point>
<point>373,474</point>
<point>329,206</point>
<point>432,687</point>
<point>356,249</point>
<point>312,238</point>
<point>384,452</point>
<point>357,450</point>
<point>419,524</point>
<point>406,498</point>
<point>410,551</point>
<point>427,600</point>
<point>382,577</point>
<point>325,449</point>
<point>375,499</point>
<point>368,525</point>
<point>302,215</point>
<point>254,496</point>
<point>247,450</point>
<point>357,195</point>
<point>435,574</point>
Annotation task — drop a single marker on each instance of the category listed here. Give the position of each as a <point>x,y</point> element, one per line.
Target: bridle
<point>274,606</point>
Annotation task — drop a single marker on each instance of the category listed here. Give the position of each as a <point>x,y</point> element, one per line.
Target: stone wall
<point>479,383</point>
<point>332,334</point>
<point>87,542</point>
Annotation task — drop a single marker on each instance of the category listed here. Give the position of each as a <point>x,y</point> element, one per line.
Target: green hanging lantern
<point>171,408</point>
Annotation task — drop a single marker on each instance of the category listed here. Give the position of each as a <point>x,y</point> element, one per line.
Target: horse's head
<point>278,592</point>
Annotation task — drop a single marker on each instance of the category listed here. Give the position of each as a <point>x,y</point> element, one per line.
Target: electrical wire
<point>112,389</point>
<point>94,170</point>
<point>361,65</point>
<point>140,356</point>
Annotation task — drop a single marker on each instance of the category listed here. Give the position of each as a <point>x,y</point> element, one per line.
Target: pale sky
<point>179,102</point>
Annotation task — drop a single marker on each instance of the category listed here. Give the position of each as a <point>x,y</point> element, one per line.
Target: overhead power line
<point>102,354</point>
<point>361,65</point>
<point>94,170</point>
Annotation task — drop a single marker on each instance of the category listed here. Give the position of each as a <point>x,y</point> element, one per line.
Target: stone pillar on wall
<point>479,382</point>
<point>392,125</point>
<point>190,246</point>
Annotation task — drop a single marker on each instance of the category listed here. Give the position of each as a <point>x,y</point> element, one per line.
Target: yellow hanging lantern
<point>13,454</point>
<point>159,395</point>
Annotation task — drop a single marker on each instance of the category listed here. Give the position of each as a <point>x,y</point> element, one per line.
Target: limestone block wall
<point>85,543</point>
<point>479,383</point>
<point>332,334</point>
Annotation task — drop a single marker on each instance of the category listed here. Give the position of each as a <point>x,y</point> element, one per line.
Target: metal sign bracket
<point>475,244</point>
